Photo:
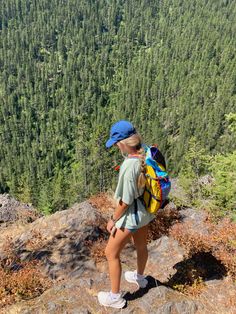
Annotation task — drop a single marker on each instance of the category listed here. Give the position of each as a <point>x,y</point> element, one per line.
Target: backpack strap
<point>136,206</point>
<point>136,210</point>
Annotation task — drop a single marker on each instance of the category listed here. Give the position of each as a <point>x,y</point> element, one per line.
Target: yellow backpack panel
<point>152,193</point>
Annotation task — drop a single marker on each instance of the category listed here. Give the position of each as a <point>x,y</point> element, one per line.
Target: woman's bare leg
<point>112,251</point>
<point>139,239</point>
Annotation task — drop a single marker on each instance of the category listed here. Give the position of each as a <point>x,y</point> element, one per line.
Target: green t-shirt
<point>127,190</point>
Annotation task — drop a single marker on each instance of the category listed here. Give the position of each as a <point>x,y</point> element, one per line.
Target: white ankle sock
<point>140,276</point>
<point>114,295</point>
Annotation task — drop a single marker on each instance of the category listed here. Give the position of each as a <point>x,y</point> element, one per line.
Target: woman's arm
<point>119,211</point>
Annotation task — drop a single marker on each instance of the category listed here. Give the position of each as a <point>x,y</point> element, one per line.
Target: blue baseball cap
<point>119,131</point>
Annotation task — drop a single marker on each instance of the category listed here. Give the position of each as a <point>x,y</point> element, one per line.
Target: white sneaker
<point>132,276</point>
<point>106,299</point>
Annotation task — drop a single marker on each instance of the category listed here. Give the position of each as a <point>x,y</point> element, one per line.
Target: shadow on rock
<point>201,265</point>
<point>152,283</point>
<point>66,254</point>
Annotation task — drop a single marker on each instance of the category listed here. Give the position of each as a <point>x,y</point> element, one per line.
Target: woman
<point>130,218</point>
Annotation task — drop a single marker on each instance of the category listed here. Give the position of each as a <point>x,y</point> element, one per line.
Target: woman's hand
<point>110,224</point>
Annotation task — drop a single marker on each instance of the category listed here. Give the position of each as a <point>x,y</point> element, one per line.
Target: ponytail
<point>142,177</point>
<point>135,141</point>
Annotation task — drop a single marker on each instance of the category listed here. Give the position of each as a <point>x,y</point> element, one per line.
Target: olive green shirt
<point>127,190</point>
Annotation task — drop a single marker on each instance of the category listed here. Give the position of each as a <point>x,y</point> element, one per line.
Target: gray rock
<point>61,243</point>
<point>177,193</point>
<point>196,217</point>
<point>205,180</point>
<point>12,211</point>
<point>164,253</point>
<point>175,307</point>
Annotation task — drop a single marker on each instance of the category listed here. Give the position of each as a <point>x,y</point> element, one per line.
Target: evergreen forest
<point>71,68</point>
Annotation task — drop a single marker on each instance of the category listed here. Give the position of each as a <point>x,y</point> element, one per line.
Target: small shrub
<point>193,289</point>
<point>96,244</point>
<point>103,202</point>
<point>196,163</point>
<point>20,280</point>
<point>165,218</point>
<point>221,192</point>
<point>192,273</point>
<point>223,189</point>
<point>98,250</point>
<point>192,241</point>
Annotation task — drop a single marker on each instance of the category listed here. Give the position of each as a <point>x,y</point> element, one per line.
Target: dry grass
<point>160,226</point>
<point>97,250</point>
<point>20,280</point>
<point>36,241</point>
<point>193,289</point>
<point>220,241</point>
<point>104,202</point>
<point>97,245</point>
<point>27,216</point>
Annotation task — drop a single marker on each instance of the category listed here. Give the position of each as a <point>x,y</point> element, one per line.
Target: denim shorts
<point>132,229</point>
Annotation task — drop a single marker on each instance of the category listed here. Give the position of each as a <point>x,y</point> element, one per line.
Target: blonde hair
<point>135,142</point>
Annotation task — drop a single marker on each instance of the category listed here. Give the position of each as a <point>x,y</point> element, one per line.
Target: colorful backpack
<point>158,184</point>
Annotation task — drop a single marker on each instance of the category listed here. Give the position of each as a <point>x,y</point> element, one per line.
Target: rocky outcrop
<point>12,211</point>
<point>60,241</point>
<point>79,296</point>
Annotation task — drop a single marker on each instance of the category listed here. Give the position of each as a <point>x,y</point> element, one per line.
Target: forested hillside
<point>68,69</point>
